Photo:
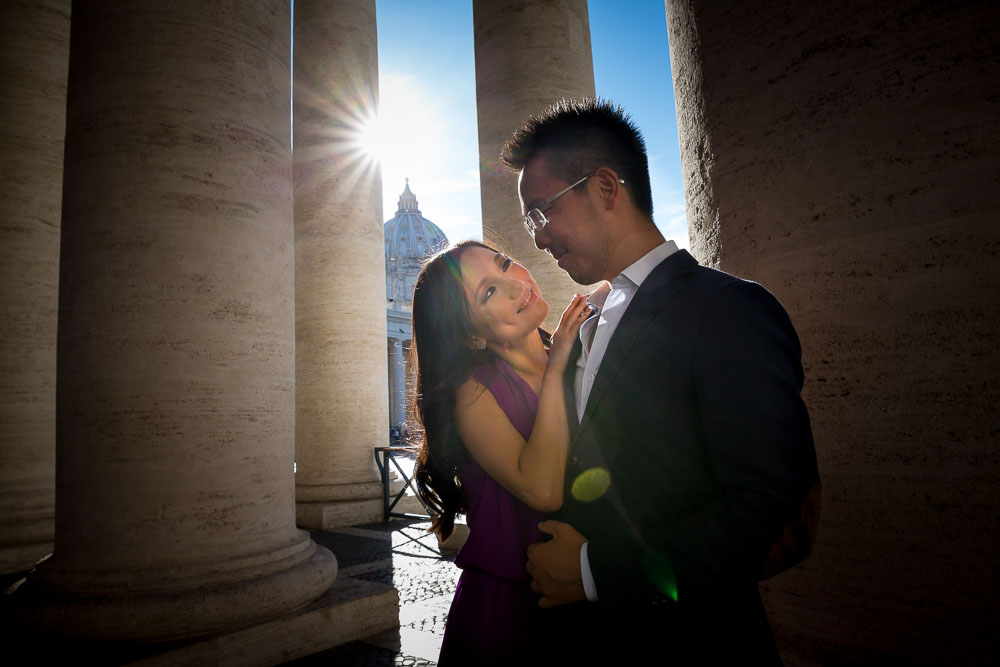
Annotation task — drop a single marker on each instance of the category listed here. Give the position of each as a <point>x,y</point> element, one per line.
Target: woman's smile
<point>528,299</point>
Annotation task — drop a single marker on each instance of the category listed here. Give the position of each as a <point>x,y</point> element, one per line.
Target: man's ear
<point>609,187</point>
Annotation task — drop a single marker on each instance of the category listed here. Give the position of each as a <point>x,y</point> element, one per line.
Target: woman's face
<point>504,300</point>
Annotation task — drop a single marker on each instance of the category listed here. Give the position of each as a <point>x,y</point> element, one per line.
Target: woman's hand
<point>533,470</point>
<point>568,330</point>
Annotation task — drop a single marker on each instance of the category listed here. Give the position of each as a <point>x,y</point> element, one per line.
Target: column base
<point>344,505</point>
<point>24,544</point>
<point>28,528</point>
<point>325,493</point>
<point>22,558</point>
<point>350,610</point>
<point>456,540</point>
<point>327,516</point>
<point>73,606</point>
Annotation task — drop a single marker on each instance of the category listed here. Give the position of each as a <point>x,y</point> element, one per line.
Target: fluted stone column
<point>342,405</point>
<point>529,54</point>
<point>174,508</point>
<point>846,156</point>
<point>34,59</point>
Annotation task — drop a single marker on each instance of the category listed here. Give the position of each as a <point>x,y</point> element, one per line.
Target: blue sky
<point>427,84</point>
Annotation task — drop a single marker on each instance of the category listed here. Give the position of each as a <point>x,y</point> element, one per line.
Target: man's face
<point>575,236</point>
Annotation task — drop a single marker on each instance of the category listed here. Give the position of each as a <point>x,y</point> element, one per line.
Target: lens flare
<point>591,484</point>
<point>371,137</point>
<point>661,574</point>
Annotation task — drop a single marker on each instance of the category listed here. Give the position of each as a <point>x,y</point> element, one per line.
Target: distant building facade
<point>410,239</point>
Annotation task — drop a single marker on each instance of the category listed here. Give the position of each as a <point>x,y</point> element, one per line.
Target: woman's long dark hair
<point>443,357</point>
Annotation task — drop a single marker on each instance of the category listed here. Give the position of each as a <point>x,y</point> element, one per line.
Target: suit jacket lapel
<point>568,376</point>
<point>654,293</point>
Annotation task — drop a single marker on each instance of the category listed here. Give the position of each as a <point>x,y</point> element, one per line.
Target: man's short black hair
<point>580,136</point>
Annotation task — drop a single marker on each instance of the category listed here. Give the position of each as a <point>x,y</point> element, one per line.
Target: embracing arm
<point>533,470</point>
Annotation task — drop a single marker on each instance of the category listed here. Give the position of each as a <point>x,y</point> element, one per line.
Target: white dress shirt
<point>595,333</point>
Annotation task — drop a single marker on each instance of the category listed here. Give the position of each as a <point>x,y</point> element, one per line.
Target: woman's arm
<point>533,470</point>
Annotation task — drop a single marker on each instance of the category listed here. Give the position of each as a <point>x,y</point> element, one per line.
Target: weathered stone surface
<point>846,156</point>
<point>398,404</point>
<point>529,54</point>
<point>176,330</point>
<point>350,610</point>
<point>34,58</point>
<point>330,515</point>
<point>341,370</point>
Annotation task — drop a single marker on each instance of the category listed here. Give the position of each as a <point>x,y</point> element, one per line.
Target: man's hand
<point>554,566</point>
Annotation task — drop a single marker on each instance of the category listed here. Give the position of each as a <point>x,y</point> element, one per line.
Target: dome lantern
<point>410,239</point>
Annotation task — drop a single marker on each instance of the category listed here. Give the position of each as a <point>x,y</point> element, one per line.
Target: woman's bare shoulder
<point>470,393</point>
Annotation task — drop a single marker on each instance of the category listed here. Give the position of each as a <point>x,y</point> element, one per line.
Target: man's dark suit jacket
<point>696,416</point>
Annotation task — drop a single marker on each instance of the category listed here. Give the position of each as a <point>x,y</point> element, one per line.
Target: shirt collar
<point>638,271</point>
<point>599,295</point>
<point>635,274</point>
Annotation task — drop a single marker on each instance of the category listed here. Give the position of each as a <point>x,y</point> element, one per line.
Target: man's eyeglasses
<point>534,219</point>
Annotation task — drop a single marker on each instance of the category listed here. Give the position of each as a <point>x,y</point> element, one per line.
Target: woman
<point>489,395</point>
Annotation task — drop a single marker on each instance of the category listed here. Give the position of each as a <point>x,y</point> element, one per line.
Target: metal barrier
<point>388,454</point>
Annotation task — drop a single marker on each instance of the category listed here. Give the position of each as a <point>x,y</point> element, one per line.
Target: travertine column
<point>34,58</point>
<point>397,382</point>
<point>529,54</point>
<point>341,402</point>
<point>174,506</point>
<point>846,156</point>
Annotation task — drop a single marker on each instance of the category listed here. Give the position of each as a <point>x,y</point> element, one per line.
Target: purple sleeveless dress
<point>493,612</point>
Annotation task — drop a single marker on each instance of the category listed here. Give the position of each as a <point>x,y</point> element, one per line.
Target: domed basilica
<point>410,239</point>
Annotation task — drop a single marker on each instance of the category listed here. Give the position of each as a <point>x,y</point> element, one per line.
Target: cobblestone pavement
<point>403,554</point>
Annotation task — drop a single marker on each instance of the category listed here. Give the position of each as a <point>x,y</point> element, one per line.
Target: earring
<point>477,343</point>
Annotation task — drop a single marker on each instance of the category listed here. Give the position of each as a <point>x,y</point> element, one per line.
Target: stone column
<point>846,156</point>
<point>34,59</point>
<point>529,54</point>
<point>341,402</point>
<point>390,345</point>
<point>397,382</point>
<point>407,381</point>
<point>174,509</point>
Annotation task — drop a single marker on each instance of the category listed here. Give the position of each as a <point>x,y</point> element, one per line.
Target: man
<point>693,453</point>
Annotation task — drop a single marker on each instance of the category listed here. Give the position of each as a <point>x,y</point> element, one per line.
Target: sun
<point>406,136</point>
<point>370,137</point>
